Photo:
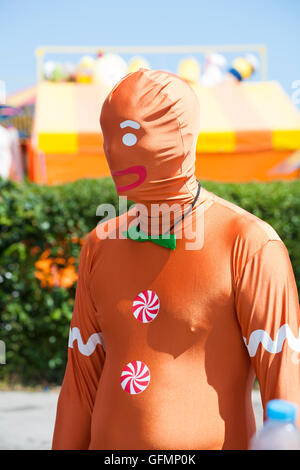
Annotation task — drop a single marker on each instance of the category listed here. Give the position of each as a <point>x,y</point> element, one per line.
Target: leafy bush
<point>278,203</point>
<point>41,232</point>
<point>34,315</point>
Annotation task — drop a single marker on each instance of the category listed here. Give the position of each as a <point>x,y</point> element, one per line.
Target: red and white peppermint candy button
<point>135,377</point>
<point>145,306</point>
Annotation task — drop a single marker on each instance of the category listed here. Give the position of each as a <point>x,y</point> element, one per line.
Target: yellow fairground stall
<point>249,130</point>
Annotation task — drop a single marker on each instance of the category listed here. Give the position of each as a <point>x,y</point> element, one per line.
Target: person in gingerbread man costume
<point>168,335</point>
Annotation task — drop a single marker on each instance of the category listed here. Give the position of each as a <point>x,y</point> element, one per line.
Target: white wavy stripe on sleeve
<point>85,348</point>
<point>272,346</point>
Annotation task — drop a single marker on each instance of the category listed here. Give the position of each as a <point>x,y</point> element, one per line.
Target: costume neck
<point>159,215</point>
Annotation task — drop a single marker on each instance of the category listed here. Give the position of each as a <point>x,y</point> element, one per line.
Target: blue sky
<point>27,24</point>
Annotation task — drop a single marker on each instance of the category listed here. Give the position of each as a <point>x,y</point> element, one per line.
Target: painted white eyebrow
<point>129,123</point>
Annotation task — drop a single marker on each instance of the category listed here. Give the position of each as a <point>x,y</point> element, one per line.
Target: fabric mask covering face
<point>150,125</point>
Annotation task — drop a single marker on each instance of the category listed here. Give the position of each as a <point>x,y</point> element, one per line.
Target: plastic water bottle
<point>279,431</point>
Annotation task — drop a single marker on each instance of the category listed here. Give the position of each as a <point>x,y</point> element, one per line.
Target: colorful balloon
<point>85,69</point>
<point>243,67</point>
<point>189,70</point>
<point>109,69</point>
<point>137,63</point>
<point>213,69</point>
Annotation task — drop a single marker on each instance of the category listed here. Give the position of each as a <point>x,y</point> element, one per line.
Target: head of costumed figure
<point>150,125</point>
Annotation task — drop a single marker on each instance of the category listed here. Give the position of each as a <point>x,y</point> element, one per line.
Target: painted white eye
<point>129,139</point>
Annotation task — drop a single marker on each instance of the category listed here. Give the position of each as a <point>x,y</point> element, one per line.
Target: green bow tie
<point>167,240</point>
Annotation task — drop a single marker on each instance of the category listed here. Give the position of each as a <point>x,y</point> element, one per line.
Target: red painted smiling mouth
<point>138,170</point>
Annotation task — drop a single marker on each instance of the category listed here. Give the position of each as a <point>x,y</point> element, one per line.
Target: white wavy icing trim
<point>85,348</point>
<point>261,336</point>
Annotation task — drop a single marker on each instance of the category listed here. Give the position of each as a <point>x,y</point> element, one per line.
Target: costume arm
<point>85,363</point>
<point>267,307</point>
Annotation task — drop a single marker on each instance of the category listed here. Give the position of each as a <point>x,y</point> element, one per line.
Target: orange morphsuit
<point>165,344</point>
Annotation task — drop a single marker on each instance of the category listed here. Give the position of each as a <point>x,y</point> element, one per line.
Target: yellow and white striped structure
<point>248,131</point>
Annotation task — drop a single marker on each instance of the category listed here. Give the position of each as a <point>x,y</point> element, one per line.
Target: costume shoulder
<point>103,233</point>
<point>247,233</point>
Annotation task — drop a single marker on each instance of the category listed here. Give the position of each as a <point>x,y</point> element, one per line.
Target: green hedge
<point>35,316</point>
